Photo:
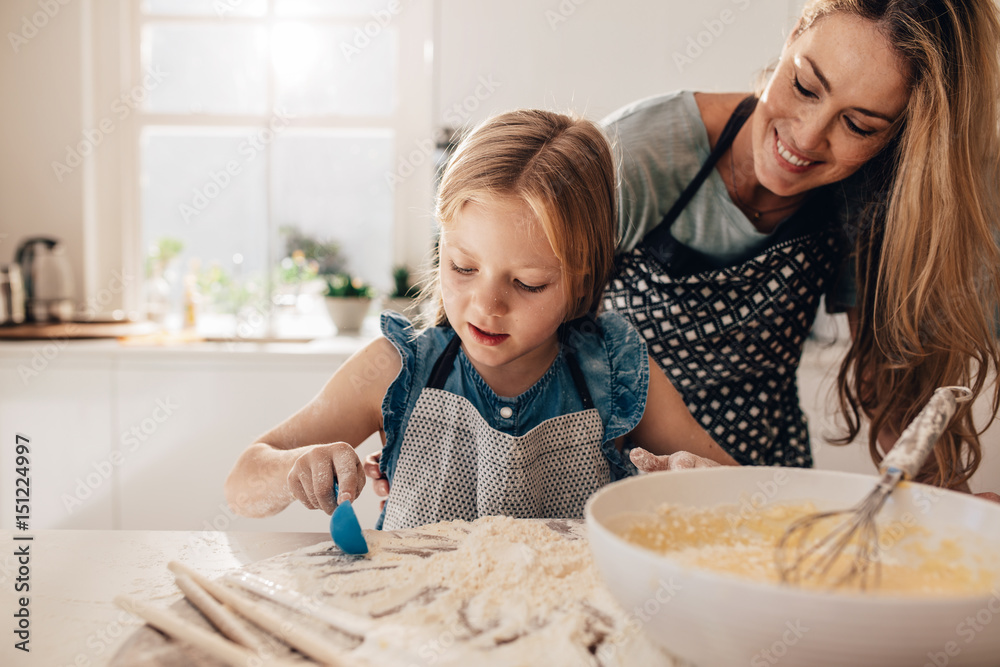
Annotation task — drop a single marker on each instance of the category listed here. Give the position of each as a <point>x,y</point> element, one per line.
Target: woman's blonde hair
<point>928,262</point>
<point>562,168</point>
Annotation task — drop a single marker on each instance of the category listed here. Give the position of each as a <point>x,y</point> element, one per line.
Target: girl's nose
<point>492,300</point>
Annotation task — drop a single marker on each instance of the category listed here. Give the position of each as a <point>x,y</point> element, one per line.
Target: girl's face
<point>828,107</point>
<point>503,292</point>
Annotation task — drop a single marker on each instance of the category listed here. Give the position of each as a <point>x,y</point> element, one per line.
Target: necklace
<point>743,205</point>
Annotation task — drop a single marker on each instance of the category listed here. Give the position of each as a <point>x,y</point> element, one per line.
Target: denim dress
<point>454,449</point>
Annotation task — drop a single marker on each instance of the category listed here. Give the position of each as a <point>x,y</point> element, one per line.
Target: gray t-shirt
<point>660,144</point>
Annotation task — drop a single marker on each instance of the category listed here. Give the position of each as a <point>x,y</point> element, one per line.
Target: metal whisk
<point>800,559</point>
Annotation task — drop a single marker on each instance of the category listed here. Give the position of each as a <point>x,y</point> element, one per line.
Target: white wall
<point>42,113</point>
<point>593,56</point>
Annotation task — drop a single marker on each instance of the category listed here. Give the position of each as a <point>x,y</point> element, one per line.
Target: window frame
<point>117,65</point>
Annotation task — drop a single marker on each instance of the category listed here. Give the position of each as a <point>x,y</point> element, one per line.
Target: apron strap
<point>581,325</point>
<point>579,381</point>
<point>657,238</point>
<point>445,362</point>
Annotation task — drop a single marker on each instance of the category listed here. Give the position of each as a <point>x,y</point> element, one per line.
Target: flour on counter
<point>497,591</point>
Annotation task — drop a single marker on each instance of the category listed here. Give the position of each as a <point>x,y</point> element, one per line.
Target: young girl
<point>512,401</point>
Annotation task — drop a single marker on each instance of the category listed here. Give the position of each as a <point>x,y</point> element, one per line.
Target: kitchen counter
<point>177,348</point>
<point>500,589</point>
<point>74,575</point>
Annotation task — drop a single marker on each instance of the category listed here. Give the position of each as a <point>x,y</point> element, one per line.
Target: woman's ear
<point>793,35</point>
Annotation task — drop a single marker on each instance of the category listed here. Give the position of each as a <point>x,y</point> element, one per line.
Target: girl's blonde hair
<point>562,168</point>
<point>928,262</point>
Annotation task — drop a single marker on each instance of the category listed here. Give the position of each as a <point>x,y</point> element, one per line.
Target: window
<point>265,121</point>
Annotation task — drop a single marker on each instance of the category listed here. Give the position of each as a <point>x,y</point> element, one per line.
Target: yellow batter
<point>727,539</point>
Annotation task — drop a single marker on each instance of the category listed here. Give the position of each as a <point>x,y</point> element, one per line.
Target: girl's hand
<point>989,495</point>
<point>647,462</point>
<point>312,476</point>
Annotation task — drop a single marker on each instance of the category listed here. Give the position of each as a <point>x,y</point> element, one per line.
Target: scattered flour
<point>497,591</point>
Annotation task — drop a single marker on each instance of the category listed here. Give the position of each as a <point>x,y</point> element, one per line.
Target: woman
<point>875,139</point>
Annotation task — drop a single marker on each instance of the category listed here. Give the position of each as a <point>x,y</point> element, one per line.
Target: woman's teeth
<point>785,153</point>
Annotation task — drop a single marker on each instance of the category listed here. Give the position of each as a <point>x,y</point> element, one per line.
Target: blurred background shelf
<point>77,330</point>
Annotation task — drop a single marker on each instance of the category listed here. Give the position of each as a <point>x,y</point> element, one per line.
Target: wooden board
<point>602,637</point>
<point>76,330</point>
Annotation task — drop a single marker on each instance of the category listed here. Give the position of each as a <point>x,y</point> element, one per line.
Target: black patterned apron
<point>730,338</point>
<point>453,465</point>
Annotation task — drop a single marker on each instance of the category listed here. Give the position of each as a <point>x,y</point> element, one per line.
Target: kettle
<point>48,280</point>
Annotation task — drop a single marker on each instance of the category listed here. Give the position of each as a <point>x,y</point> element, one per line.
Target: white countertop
<point>238,351</point>
<point>75,574</point>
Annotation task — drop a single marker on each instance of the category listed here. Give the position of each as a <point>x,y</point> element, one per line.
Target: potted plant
<point>308,260</point>
<point>347,300</point>
<point>403,298</point>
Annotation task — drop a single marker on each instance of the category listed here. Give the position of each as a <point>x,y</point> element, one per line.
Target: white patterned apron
<point>453,465</point>
<point>730,338</point>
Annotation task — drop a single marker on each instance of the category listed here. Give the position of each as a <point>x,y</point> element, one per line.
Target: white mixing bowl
<point>716,620</point>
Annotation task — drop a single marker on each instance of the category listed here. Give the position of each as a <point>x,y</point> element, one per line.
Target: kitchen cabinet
<point>142,439</point>
<point>65,408</point>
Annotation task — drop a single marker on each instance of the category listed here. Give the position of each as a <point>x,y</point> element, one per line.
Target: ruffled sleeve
<point>400,332</point>
<point>616,365</point>
<point>417,351</point>
<point>628,363</point>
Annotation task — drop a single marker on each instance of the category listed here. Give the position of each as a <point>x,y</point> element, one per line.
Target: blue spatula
<point>346,531</point>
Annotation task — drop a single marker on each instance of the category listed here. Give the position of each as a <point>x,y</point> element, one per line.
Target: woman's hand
<point>312,476</point>
<point>379,483</point>
<point>989,495</point>
<point>647,462</point>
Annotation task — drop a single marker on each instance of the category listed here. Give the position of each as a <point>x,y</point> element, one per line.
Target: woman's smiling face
<point>829,107</point>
